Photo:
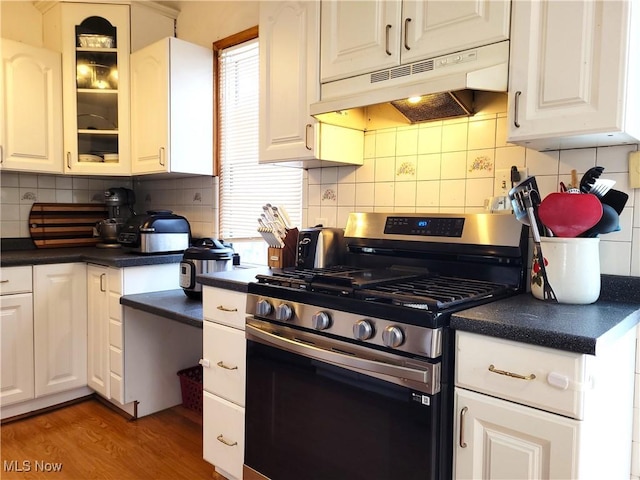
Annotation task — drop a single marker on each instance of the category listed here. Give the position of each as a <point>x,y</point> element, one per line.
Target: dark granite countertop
<point>172,304</point>
<point>573,328</point>
<point>235,280</point>
<point>110,257</point>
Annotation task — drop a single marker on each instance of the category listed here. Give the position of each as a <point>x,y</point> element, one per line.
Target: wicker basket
<point>191,386</point>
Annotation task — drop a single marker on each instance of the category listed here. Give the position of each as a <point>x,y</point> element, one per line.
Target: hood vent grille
<point>403,71</point>
<point>437,106</point>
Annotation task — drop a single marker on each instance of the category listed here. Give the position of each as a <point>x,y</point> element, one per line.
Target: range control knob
<point>321,321</point>
<point>363,330</point>
<point>392,336</point>
<point>263,308</point>
<point>284,312</point>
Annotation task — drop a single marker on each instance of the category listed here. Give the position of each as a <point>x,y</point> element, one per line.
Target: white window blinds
<point>244,184</point>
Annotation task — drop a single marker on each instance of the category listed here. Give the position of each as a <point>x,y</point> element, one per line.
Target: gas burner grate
<point>434,293</point>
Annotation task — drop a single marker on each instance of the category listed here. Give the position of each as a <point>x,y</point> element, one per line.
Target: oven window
<point>314,421</point>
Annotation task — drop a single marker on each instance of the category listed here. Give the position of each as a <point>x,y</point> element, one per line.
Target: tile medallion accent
<point>329,195</point>
<point>481,163</point>
<point>407,169</point>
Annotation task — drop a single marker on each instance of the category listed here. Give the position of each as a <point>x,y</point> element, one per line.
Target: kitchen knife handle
<point>386,42</point>
<point>516,109</point>
<point>406,33</point>
<point>463,412</point>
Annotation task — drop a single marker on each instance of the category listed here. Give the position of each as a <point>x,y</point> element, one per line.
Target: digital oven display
<point>424,226</point>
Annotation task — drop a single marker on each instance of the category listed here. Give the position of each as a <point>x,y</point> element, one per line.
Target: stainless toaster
<point>320,247</point>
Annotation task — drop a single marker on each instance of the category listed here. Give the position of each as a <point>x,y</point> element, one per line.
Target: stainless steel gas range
<point>350,367</point>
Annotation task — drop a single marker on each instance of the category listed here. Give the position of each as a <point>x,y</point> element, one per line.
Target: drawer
<point>223,434</point>
<point>225,349</point>
<point>540,377</point>
<point>15,280</point>
<point>224,306</point>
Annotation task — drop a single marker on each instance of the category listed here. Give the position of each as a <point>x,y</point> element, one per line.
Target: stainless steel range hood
<point>440,88</point>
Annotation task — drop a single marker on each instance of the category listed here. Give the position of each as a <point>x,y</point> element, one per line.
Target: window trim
<point>230,41</point>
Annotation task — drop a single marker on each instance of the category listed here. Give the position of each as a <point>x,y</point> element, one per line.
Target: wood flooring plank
<point>91,441</point>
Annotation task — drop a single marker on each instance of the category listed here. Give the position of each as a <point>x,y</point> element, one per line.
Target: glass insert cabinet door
<point>96,88</point>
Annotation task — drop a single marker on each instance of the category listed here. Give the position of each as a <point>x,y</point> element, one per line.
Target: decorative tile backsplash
<point>450,166</point>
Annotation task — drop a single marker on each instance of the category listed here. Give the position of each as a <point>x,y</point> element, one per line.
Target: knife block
<point>286,256</point>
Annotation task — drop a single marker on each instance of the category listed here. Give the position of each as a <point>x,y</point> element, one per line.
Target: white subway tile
<point>314,195</point>
<point>346,174</point>
<point>406,168</point>
<point>407,141</point>
<point>428,193</point>
<point>509,155</point>
<point>367,172</point>
<point>64,183</point>
<point>405,194</point>
<point>428,167</point>
<point>64,196</point>
<point>46,181</point>
<point>384,194</point>
<point>542,163</point>
<point>28,180</point>
<point>454,137</point>
<point>10,179</point>
<point>580,159</point>
<point>385,169</point>
<point>329,175</point>
<point>453,165</point>
<point>329,214</point>
<point>430,139</point>
<point>9,195</point>
<point>370,144</point>
<point>452,193</point>
<point>346,194</point>
<point>79,183</point>
<point>386,143</point>
<point>477,190</point>
<point>329,195</point>
<point>482,134</point>
<point>615,159</point>
<point>9,213</point>
<point>10,229</point>
<point>480,163</point>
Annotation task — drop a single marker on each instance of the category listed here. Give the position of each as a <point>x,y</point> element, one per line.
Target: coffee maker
<point>119,202</point>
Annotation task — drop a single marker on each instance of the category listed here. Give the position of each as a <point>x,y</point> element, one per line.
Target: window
<point>245,185</point>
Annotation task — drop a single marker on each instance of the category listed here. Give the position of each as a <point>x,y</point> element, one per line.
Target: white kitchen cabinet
<point>363,36</point>
<point>224,375</point>
<point>573,74</point>
<point>16,335</point>
<point>95,82</point>
<point>171,108</point>
<point>129,281</point>
<point>98,329</point>
<point>525,411</point>
<point>289,72</point>
<point>60,327</point>
<point>31,105</point>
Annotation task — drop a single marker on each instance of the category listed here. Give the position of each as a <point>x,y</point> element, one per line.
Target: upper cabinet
<point>363,36</point>
<point>574,74</point>
<point>31,105</point>
<point>172,108</point>
<point>289,83</point>
<point>94,41</point>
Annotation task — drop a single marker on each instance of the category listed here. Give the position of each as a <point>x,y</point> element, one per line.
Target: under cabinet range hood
<point>431,89</point>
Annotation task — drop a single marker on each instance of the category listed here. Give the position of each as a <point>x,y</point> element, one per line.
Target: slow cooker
<point>207,255</point>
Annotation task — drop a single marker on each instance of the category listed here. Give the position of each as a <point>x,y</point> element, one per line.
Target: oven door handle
<point>336,358</point>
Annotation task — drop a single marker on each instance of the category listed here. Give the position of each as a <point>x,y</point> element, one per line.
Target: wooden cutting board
<point>54,225</point>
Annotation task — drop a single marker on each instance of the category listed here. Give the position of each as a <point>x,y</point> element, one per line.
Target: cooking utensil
<point>574,179</point>
<point>547,290</point>
<point>601,186</point>
<point>528,186</point>
<point>616,199</point>
<point>569,215</point>
<point>610,222</point>
<point>589,178</point>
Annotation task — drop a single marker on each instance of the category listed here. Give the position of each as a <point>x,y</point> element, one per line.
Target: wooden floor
<point>90,440</point>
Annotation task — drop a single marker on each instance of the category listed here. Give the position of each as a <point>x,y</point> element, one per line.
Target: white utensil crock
<point>572,268</point>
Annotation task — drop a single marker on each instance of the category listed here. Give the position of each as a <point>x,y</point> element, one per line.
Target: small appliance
<point>119,202</point>
<point>207,255</point>
<point>157,231</point>
<point>320,247</point>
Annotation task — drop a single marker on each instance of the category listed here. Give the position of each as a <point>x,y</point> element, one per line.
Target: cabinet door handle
<point>222,365</point>
<point>161,156</point>
<point>306,136</point>
<point>226,309</point>
<point>220,438</point>
<point>69,160</point>
<point>463,412</point>
<point>406,33</point>
<point>1,154</point>
<point>386,43</point>
<point>493,369</point>
<point>4,281</point>
<point>516,109</point>
<point>102,277</point>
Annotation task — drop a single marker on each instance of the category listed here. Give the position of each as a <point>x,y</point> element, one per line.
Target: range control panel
<point>425,226</point>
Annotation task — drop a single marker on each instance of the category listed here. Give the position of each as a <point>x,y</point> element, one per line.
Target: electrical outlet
<point>634,169</point>
<point>502,181</point>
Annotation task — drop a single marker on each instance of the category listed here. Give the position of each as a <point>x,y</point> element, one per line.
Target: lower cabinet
<point>59,327</point>
<point>529,412</point>
<point>98,329</point>
<point>16,335</point>
<point>224,372</point>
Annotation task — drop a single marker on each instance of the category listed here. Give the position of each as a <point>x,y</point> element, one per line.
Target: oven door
<point>319,409</point>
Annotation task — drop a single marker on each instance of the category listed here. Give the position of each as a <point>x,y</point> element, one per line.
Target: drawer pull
<point>222,365</point>
<point>226,442</point>
<point>493,369</point>
<point>225,309</point>
<point>463,412</point>
<point>4,281</point>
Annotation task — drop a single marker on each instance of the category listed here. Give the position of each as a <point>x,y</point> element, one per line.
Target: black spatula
<point>616,199</point>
